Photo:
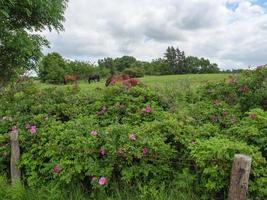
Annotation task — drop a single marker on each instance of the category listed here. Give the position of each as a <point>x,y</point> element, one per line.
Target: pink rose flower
<point>132,137</point>
<point>93,133</point>
<point>57,169</point>
<point>253,116</point>
<point>102,152</point>
<point>148,109</point>
<point>33,130</point>
<point>14,129</point>
<point>145,151</point>
<point>102,181</point>
<point>225,114</point>
<point>243,89</point>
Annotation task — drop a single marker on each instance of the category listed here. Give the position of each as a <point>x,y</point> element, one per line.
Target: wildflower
<point>253,116</point>
<point>93,133</point>
<point>232,80</point>
<point>57,169</point>
<point>46,118</point>
<point>193,142</point>
<point>102,181</point>
<point>145,151</point>
<point>243,89</point>
<point>27,126</point>
<point>102,152</point>
<point>33,130</point>
<point>225,114</point>
<point>14,129</point>
<point>148,109</point>
<point>132,137</point>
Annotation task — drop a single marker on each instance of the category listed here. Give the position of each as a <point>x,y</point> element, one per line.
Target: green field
<point>160,81</point>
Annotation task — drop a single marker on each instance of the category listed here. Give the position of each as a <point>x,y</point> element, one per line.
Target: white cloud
<point>230,32</point>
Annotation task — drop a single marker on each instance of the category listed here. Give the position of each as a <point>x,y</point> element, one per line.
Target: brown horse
<point>70,78</point>
<point>122,78</point>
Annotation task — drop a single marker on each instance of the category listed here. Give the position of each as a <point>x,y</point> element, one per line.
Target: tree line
<point>53,67</point>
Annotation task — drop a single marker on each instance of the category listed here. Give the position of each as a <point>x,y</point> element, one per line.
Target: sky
<point>232,33</point>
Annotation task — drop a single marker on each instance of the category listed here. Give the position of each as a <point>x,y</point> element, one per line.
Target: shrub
<point>134,72</point>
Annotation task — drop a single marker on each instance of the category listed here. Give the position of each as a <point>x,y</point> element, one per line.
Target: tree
<point>176,60</point>
<point>20,49</point>
<point>53,68</point>
<point>80,68</point>
<point>107,63</point>
<point>124,62</point>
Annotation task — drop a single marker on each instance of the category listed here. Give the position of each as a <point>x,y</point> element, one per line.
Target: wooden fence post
<point>15,155</point>
<point>239,177</point>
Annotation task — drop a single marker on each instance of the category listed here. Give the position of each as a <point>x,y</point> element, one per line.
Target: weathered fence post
<point>239,177</point>
<point>15,154</point>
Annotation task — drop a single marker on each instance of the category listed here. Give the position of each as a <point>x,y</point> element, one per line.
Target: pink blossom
<point>57,169</point>
<point>148,109</point>
<point>102,152</point>
<point>253,116</point>
<point>232,80</point>
<point>33,130</point>
<point>243,89</point>
<point>225,114</point>
<point>14,129</point>
<point>132,137</point>
<point>102,181</point>
<point>93,133</point>
<point>145,151</point>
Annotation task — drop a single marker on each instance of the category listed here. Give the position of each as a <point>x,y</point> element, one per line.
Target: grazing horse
<point>122,78</point>
<point>70,78</point>
<point>93,77</point>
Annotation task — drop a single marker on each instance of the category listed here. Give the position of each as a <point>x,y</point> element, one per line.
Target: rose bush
<point>125,136</point>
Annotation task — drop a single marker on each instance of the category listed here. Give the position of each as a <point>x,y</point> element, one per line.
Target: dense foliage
<point>20,49</point>
<point>118,137</point>
<point>174,62</point>
<point>53,67</point>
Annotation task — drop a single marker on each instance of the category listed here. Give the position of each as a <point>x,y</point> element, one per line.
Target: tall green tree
<point>53,68</point>
<point>124,62</point>
<point>20,48</point>
<point>176,60</point>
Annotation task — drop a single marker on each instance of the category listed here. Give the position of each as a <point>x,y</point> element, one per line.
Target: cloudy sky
<point>232,33</point>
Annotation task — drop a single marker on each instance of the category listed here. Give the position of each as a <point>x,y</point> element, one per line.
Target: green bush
<point>137,136</point>
<point>134,72</point>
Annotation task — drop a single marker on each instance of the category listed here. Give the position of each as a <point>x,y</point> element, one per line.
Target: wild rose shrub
<point>248,90</point>
<point>116,135</point>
